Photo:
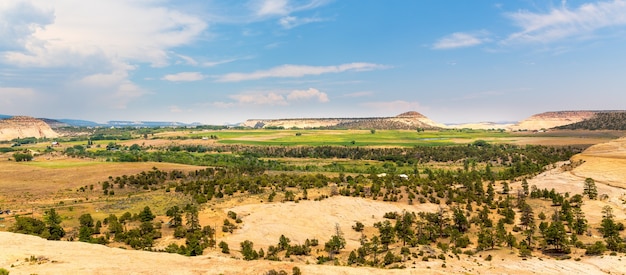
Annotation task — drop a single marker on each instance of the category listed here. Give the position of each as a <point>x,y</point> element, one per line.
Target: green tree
<point>146,215</point>
<point>283,243</point>
<point>590,189</point>
<point>22,156</point>
<point>460,220</point>
<point>525,187</point>
<point>84,234</point>
<point>358,226</point>
<point>336,242</point>
<point>86,220</point>
<point>224,246</point>
<point>486,239</point>
<point>389,258</point>
<point>404,227</point>
<point>579,226</point>
<point>193,221</point>
<point>176,217</point>
<point>53,221</point>
<point>386,233</point>
<point>610,229</point>
<point>556,236</point>
<point>247,250</point>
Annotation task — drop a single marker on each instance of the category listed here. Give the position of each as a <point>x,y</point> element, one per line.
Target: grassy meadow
<point>398,138</point>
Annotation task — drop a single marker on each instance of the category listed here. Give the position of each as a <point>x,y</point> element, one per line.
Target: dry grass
<point>48,180</point>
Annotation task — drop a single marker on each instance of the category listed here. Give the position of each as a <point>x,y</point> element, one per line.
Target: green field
<point>403,138</point>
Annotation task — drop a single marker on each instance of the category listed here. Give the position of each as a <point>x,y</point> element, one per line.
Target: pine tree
<point>590,189</point>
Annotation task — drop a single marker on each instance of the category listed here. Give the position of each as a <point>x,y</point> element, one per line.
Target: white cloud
<point>18,21</point>
<point>112,89</point>
<point>275,98</point>
<point>303,95</point>
<point>563,22</point>
<point>98,43</point>
<point>460,40</point>
<point>138,32</point>
<point>299,71</point>
<point>184,76</point>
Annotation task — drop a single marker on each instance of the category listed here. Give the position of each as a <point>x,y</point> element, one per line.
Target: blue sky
<point>227,61</point>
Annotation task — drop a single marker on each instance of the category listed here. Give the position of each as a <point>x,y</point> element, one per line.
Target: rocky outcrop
<point>23,127</point>
<point>550,120</point>
<point>408,120</point>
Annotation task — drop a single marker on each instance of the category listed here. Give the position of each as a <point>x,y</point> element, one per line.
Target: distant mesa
<point>562,119</point>
<point>23,127</point>
<point>408,120</point>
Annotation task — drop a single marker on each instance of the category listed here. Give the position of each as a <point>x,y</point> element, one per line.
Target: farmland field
<point>403,138</point>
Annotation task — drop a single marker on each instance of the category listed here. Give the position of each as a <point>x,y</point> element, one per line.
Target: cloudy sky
<point>226,61</point>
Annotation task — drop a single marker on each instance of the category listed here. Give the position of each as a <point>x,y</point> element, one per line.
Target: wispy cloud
<point>275,98</point>
<point>270,98</point>
<point>306,95</point>
<point>299,71</point>
<point>188,60</point>
<point>284,7</point>
<point>272,7</point>
<point>290,22</point>
<point>184,76</point>
<point>563,22</point>
<point>461,40</point>
<point>358,94</point>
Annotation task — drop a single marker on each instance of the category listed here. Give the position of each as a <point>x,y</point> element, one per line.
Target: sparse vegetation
<point>481,190</point>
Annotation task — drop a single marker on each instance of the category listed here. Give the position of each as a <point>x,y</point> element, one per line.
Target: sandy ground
<point>59,257</point>
<point>264,223</point>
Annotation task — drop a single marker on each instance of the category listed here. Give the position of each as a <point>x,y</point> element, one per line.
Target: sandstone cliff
<point>23,127</point>
<point>549,120</point>
<point>408,120</point>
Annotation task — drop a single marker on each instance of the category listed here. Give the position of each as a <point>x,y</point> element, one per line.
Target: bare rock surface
<point>549,120</point>
<point>23,127</point>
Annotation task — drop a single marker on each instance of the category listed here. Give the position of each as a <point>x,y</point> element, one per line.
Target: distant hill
<point>24,127</point>
<point>123,123</point>
<point>408,120</point>
<point>603,120</point>
<point>550,120</point>
<point>57,123</point>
